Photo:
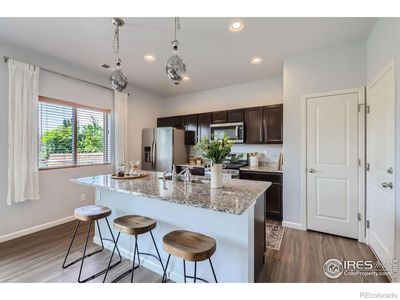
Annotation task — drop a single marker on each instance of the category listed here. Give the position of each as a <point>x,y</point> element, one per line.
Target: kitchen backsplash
<point>267,153</point>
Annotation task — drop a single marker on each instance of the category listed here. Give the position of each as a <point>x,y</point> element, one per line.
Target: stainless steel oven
<point>235,131</point>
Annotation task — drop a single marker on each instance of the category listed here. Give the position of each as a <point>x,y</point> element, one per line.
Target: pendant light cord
<point>116,44</point>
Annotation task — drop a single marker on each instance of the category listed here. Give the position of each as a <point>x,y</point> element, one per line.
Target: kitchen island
<point>233,216</point>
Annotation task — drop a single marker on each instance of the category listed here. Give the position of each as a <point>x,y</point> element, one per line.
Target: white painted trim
<point>389,66</point>
<point>303,157</point>
<point>293,225</point>
<point>34,229</point>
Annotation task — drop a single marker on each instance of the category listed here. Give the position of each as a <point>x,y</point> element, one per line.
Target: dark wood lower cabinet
<point>273,202</point>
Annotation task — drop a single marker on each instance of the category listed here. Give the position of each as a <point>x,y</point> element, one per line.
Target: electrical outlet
<point>83,197</point>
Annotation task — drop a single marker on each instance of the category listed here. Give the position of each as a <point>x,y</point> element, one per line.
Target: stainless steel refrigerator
<point>162,148</point>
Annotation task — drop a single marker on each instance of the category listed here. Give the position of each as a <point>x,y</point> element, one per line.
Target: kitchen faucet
<point>174,176</point>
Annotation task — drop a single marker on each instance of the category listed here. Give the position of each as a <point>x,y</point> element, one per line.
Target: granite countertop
<point>191,165</point>
<point>266,169</point>
<point>235,197</point>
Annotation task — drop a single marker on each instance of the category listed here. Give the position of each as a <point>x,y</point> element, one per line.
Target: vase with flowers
<point>215,151</point>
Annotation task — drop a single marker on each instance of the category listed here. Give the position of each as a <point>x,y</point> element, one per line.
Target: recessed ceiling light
<point>236,26</point>
<point>149,57</point>
<point>185,78</point>
<point>256,60</point>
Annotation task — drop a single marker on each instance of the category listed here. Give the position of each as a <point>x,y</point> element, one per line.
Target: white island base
<point>234,259</point>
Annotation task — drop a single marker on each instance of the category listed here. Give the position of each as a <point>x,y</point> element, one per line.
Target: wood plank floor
<point>303,253</point>
<point>38,258</point>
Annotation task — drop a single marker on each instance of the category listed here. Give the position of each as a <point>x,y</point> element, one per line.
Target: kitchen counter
<point>266,169</point>
<point>233,216</point>
<point>235,197</point>
<point>192,165</point>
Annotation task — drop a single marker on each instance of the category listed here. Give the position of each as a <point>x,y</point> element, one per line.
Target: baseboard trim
<point>152,265</point>
<point>293,225</point>
<point>23,232</point>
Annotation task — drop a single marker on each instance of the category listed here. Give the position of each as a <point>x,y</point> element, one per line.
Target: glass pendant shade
<point>118,79</point>
<point>175,67</point>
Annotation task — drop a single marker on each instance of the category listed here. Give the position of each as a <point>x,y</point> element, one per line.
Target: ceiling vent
<point>105,66</point>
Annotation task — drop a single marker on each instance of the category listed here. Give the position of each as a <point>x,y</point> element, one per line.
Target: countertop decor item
<point>127,176</point>
<point>253,158</point>
<point>175,67</point>
<point>215,151</point>
<point>118,78</point>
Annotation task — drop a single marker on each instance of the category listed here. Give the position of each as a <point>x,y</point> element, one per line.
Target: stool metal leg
<point>184,271</point>
<point>70,245</point>
<point>84,252</point>
<point>134,256</point>
<point>109,263</point>
<point>164,278</point>
<point>158,253</point>
<point>112,236</point>
<point>212,268</point>
<point>101,238</point>
<point>195,269</point>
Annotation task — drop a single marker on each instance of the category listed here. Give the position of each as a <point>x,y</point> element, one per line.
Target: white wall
<point>324,70</point>
<point>58,197</point>
<point>384,44</point>
<point>255,93</point>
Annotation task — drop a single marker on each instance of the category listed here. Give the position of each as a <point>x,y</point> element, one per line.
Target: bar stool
<point>191,246</point>
<point>134,225</point>
<point>91,213</point>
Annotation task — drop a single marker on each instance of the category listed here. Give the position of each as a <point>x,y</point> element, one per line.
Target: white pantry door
<point>333,162</point>
<point>380,156</point>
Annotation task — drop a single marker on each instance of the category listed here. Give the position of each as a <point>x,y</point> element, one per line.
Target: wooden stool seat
<point>91,212</point>
<point>189,245</point>
<point>134,225</point>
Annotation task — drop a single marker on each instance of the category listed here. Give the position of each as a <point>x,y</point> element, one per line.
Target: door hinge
<point>367,167</point>
<point>359,216</point>
<point>367,223</point>
<point>359,161</point>
<point>367,109</point>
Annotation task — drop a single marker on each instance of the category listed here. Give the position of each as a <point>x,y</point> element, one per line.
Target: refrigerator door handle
<point>153,158</point>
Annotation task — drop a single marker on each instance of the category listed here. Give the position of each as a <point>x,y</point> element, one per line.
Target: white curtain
<point>22,132</point>
<point>121,124</point>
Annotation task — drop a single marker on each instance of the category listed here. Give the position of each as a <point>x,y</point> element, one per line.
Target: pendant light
<point>118,78</point>
<point>175,67</point>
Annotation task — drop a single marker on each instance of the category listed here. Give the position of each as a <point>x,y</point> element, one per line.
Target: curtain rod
<point>6,58</point>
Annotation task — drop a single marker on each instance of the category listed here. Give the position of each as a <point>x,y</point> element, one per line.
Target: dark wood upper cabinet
<point>190,123</point>
<point>273,124</point>
<point>178,122</point>
<point>235,115</point>
<point>203,125</point>
<point>254,125</point>
<point>219,117</point>
<point>263,125</point>
<point>164,122</point>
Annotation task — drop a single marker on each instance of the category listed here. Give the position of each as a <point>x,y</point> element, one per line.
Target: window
<point>72,135</point>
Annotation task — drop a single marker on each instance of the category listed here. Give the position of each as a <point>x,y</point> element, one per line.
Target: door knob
<point>311,170</point>
<point>387,185</point>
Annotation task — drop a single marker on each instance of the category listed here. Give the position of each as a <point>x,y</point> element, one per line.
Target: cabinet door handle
<point>311,170</point>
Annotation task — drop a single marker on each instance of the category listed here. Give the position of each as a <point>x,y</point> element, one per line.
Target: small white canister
<point>253,161</point>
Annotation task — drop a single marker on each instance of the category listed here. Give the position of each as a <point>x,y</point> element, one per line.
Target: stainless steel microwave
<point>235,131</point>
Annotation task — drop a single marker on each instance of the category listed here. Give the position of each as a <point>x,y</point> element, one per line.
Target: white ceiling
<point>214,56</point>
